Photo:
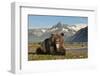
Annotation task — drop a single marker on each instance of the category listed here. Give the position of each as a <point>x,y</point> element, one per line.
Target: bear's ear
<point>62,34</point>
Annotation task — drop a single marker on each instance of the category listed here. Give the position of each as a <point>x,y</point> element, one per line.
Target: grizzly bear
<point>53,45</point>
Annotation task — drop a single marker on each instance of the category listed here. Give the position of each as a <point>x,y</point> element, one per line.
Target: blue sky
<point>37,21</point>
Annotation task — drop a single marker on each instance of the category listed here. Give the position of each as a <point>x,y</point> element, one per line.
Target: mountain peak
<point>58,25</point>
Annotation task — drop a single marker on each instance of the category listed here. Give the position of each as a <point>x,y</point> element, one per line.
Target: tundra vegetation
<point>74,50</point>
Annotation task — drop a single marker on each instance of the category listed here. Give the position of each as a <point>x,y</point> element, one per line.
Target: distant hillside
<point>81,35</point>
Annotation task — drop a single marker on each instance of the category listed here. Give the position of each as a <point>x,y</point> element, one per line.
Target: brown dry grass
<point>70,54</point>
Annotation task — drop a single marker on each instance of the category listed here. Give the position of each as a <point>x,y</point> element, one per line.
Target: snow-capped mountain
<point>42,33</point>
<point>67,28</point>
<point>77,27</point>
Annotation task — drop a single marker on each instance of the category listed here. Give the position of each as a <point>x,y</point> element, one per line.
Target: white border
<point>19,38</point>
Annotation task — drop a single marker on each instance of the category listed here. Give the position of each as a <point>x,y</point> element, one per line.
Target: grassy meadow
<point>70,52</point>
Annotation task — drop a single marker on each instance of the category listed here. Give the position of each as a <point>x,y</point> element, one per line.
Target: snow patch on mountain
<point>43,30</point>
<point>67,29</point>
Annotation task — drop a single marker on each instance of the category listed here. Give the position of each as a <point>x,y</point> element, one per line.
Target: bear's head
<point>57,40</point>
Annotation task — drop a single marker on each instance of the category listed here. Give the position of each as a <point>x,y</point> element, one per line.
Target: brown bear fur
<point>49,45</point>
